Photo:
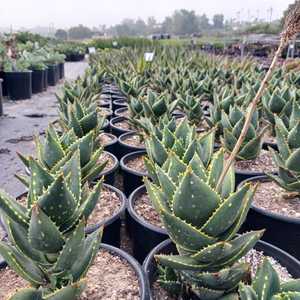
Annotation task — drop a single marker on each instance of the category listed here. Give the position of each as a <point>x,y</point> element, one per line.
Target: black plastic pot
<point>131,178</point>
<point>167,247</point>
<point>117,131</point>
<point>111,147</point>
<point>106,126</point>
<point>123,148</point>
<point>4,84</point>
<point>37,81</point>
<point>116,104</point>
<point>110,175</point>
<point>45,87</point>
<point>19,85</point>
<point>282,231</point>
<point>75,57</point>
<point>106,103</point>
<point>107,113</point>
<point>112,226</point>
<point>144,289</point>
<point>1,98</point>
<point>52,75</point>
<point>118,112</point>
<point>61,68</point>
<point>144,235</point>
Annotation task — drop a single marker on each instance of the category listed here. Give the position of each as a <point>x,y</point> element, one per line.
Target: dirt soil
<point>23,119</point>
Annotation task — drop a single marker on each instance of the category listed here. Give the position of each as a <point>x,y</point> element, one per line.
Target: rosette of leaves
<point>192,107</point>
<point>81,118</point>
<point>232,124</point>
<point>202,222</point>
<point>152,107</point>
<point>53,153</point>
<point>47,243</point>
<point>182,141</point>
<point>278,103</point>
<point>287,158</point>
<point>266,285</point>
<point>133,87</point>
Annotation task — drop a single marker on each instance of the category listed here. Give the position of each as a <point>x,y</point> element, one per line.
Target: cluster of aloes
<point>47,242</point>
<point>202,221</point>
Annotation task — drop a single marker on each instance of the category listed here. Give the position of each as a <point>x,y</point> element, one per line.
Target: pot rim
<point>116,120</point>
<point>114,140</point>
<point>130,208</point>
<point>286,219</point>
<point>129,170</point>
<point>113,168</point>
<point>126,134</point>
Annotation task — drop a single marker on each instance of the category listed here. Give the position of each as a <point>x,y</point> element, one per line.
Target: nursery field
<point>117,183</point>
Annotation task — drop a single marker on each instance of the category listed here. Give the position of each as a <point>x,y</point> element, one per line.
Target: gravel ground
<point>21,121</point>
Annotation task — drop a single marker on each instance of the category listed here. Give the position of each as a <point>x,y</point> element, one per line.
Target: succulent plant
<point>47,244</point>
<point>287,158</point>
<point>53,153</point>
<point>81,118</point>
<point>232,124</point>
<point>182,141</point>
<point>203,223</point>
<point>266,285</point>
<point>151,107</point>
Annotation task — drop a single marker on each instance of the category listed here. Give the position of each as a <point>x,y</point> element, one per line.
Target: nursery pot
<point>61,68</point>
<point>37,81</point>
<point>282,231</point>
<point>118,112</point>
<point>112,145</point>
<point>123,148</point>
<point>144,235</point>
<point>132,179</point>
<point>167,247</point>
<point>45,86</point>
<point>115,130</point>
<point>144,290</point>
<point>4,83</point>
<point>112,225</point>
<point>120,103</point>
<point>19,85</point>
<point>106,126</point>
<point>109,175</point>
<point>1,98</point>
<point>52,75</point>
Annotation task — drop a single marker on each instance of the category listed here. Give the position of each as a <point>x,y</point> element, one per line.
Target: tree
<point>218,21</point>
<point>61,34</point>
<point>80,32</point>
<point>203,22</point>
<point>151,25</point>
<point>184,22</point>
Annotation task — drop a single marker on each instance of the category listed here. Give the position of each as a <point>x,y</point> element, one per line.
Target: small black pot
<point>4,84</point>
<point>52,75</point>
<point>167,247</point>
<point>120,103</point>
<point>106,103</point>
<point>144,235</point>
<point>1,98</point>
<point>124,148</point>
<point>106,126</point>
<point>19,85</point>
<point>112,226</point>
<point>45,86</point>
<point>37,81</point>
<point>131,178</point>
<point>61,68</point>
<point>117,131</point>
<point>111,147</point>
<point>118,112</point>
<point>110,175</point>
<point>107,113</point>
<point>142,278</point>
<point>282,231</point>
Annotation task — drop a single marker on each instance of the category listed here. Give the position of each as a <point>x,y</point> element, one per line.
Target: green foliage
<point>120,42</point>
<point>48,247</point>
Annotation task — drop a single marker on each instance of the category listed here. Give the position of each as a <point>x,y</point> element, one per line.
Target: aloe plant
<point>266,285</point>
<point>288,156</point>
<point>47,244</point>
<point>232,124</point>
<point>53,153</point>
<point>203,223</point>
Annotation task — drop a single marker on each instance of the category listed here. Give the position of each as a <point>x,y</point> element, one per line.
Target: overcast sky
<point>65,13</point>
